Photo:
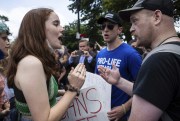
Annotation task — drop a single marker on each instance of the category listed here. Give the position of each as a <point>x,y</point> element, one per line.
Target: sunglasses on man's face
<point>109,26</point>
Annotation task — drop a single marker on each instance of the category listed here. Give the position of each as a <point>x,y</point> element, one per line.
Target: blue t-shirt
<point>128,60</point>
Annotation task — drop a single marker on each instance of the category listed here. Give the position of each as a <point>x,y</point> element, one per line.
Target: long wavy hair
<point>31,40</point>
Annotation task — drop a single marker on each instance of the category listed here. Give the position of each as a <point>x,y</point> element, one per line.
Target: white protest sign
<point>103,87</point>
<point>93,102</point>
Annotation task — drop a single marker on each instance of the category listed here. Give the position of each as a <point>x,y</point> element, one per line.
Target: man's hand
<point>116,113</point>
<point>6,109</point>
<point>86,53</point>
<point>111,76</point>
<point>7,105</point>
<point>74,53</point>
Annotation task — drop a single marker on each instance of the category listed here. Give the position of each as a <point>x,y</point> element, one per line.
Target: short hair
<point>84,40</point>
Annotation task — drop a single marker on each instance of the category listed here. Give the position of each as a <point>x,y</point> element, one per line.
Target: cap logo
<point>109,16</point>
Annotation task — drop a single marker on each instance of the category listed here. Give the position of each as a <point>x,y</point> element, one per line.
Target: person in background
<point>4,43</point>
<point>92,48</point>
<point>133,43</point>
<point>32,67</point>
<point>156,91</point>
<point>126,59</point>
<point>83,55</point>
<point>62,70</point>
<point>4,101</point>
<point>99,46</point>
<point>64,55</point>
<point>4,47</point>
<point>142,50</point>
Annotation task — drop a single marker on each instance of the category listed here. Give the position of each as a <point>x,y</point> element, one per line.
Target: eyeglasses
<point>109,26</point>
<point>4,38</point>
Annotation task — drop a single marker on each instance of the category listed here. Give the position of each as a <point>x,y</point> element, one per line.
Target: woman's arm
<point>31,79</point>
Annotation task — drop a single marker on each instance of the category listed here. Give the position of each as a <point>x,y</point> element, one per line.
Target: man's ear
<point>120,29</point>
<point>157,16</point>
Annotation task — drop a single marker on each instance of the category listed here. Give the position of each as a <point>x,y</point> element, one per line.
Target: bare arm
<point>143,110</point>
<point>31,79</point>
<point>125,85</point>
<point>63,72</point>
<point>100,47</point>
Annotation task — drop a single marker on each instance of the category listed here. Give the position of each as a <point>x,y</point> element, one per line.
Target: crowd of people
<point>145,73</point>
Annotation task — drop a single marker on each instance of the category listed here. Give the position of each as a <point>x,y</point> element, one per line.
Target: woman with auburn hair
<point>32,68</point>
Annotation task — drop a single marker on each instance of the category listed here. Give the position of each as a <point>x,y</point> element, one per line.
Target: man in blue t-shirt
<point>125,58</point>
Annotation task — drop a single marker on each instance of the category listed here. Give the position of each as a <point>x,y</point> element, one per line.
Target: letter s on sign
<point>94,100</point>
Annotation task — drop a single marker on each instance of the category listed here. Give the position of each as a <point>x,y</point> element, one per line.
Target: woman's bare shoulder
<point>29,70</point>
<point>30,61</point>
<point>30,64</point>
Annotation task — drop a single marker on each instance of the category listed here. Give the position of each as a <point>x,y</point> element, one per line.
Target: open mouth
<point>106,35</point>
<point>60,37</point>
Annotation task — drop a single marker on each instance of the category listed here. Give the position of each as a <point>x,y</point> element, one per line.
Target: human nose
<point>61,29</point>
<point>7,42</point>
<point>105,28</point>
<point>132,30</point>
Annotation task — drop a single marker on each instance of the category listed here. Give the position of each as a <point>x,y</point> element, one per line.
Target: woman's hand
<point>77,76</point>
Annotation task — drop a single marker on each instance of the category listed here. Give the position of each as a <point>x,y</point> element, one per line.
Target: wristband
<point>72,89</point>
<point>124,109</point>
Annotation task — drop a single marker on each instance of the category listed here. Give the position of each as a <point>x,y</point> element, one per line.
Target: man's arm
<point>125,85</point>
<point>143,110</point>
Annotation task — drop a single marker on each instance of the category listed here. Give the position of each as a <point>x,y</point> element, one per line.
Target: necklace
<point>167,39</point>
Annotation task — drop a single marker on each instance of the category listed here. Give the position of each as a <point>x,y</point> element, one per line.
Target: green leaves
<point>91,10</point>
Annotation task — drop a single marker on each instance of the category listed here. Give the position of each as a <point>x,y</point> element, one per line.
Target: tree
<point>91,10</point>
<point>3,18</point>
<point>69,35</point>
<point>177,10</point>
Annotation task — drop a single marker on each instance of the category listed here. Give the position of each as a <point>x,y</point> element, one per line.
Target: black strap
<point>165,117</point>
<point>172,48</point>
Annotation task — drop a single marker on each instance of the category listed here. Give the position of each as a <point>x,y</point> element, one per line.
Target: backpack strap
<point>172,48</point>
<point>165,117</point>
